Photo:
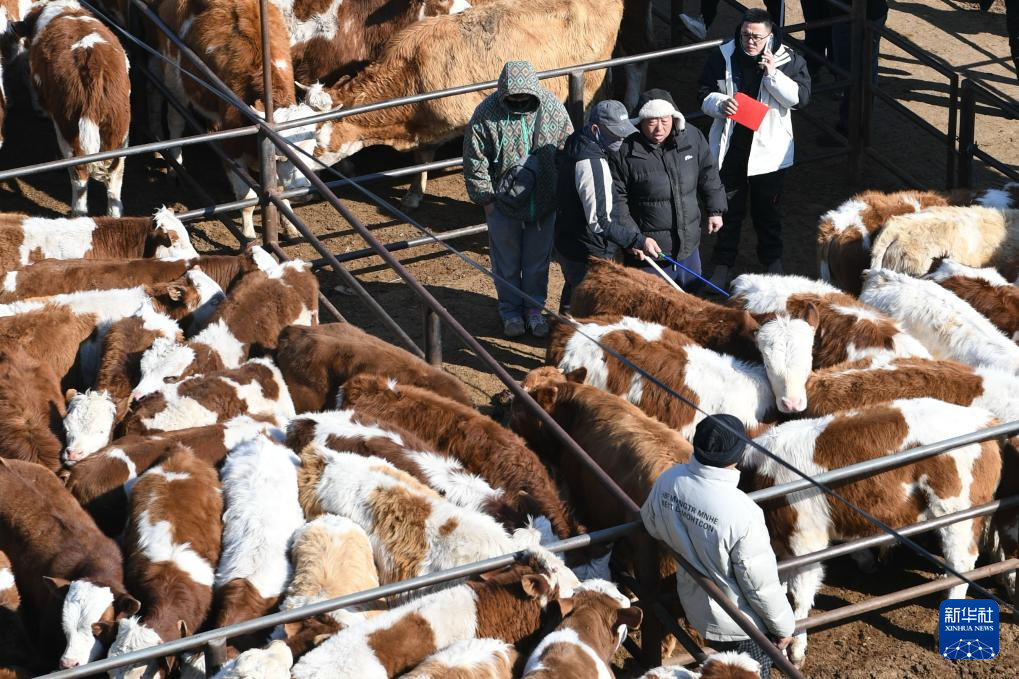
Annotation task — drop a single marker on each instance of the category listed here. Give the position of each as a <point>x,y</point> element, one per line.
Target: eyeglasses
<point>753,37</point>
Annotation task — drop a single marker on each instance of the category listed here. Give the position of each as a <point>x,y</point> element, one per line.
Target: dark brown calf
<point>485,448</point>
<point>610,288</point>
<point>316,360</point>
<point>31,410</point>
<point>59,558</point>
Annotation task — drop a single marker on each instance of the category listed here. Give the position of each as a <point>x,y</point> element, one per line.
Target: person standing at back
<point>752,163</point>
<point>697,510</point>
<point>510,169</point>
<point>657,174</point>
<point>584,226</point>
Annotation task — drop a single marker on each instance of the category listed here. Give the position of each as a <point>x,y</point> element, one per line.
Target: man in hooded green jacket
<point>501,135</point>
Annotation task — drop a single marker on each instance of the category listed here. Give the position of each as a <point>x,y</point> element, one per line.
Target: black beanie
<point>716,446</point>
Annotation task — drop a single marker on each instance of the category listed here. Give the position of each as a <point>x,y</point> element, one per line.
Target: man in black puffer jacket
<point>584,226</point>
<point>657,175</point>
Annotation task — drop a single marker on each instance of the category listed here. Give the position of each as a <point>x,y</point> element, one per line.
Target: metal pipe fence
<point>876,466</point>
<point>971,92</point>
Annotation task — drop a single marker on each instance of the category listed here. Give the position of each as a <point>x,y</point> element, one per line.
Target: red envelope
<point>749,112</point>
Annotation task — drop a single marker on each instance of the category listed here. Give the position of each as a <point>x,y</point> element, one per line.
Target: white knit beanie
<point>658,108</point>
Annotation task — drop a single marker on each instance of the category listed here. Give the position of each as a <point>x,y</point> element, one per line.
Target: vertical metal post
<point>215,656</point>
<point>857,92</point>
<point>575,99</point>
<point>953,126</point>
<point>267,151</point>
<point>967,134</point>
<point>433,337</point>
<point>645,569</point>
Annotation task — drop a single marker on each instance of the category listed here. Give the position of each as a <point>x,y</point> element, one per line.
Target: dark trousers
<point>817,39</point>
<point>573,273</point>
<point>764,192</point>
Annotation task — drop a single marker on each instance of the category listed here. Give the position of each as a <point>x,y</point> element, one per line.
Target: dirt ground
<point>895,643</point>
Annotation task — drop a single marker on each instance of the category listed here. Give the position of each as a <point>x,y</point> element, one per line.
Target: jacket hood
<point>518,77</point>
<point>579,146</point>
<point>659,95</point>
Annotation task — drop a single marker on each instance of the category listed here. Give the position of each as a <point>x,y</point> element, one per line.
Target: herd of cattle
<point>185,447</point>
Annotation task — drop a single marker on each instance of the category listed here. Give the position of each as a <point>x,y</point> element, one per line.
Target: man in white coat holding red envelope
<point>751,162</point>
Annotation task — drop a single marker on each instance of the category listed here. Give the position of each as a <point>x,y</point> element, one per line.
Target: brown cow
<point>79,74</point>
<point>316,360</point>
<point>340,37</point>
<point>31,409</point>
<point>25,240</point>
<point>99,481</point>
<point>484,447</point>
<point>65,568</point>
<point>595,622</point>
<point>260,305</point>
<point>468,47</point>
<point>228,36</point>
<point>171,548</point>
<point>16,652</point>
<point>986,290</point>
<point>56,276</point>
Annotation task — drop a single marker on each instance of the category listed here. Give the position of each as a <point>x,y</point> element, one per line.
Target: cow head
<point>608,605</point>
<point>88,614</point>
<point>165,360</point>
<point>316,100</point>
<point>545,385</point>
<point>175,299</point>
<point>88,425</point>
<point>786,343</point>
<point>133,635</point>
<point>169,236</point>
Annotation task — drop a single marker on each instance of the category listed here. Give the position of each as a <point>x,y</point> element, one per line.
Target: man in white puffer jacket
<point>750,163</point>
<point>698,510</point>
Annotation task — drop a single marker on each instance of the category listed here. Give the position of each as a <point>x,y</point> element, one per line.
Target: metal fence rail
<point>852,472</point>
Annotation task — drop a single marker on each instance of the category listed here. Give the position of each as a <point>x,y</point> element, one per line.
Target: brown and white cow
<point>985,290</point>
<point>633,448</point>
<point>962,478</point>
<point>260,515</point>
<point>25,240</point>
<point>781,341</point>
<point>80,76</point>
<point>99,482</point>
<point>595,622</point>
<point>332,556</point>
<point>340,37</point>
<point>345,432</point>
<point>31,408</point>
<point>469,47</point>
<point>171,548</point>
<point>848,329</point>
<point>254,388</point>
<point>469,659</point>
<point>724,665</point>
<point>69,575</point>
<point>413,530</point>
<point>975,236</point>
<point>509,604</point>
<point>272,662</point>
<point>316,360</point>
<point>714,382</point>
<point>55,276</point>
<point>249,321</point>
<point>483,446</point>
<point>228,36</point>
<point>948,326</point>
<point>844,234</point>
